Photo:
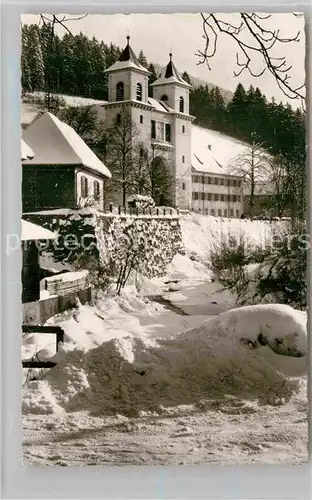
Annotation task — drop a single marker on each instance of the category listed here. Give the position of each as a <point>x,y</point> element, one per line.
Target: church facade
<point>166,127</point>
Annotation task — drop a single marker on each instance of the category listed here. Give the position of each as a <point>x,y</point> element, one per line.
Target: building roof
<point>56,143</point>
<point>32,232</point>
<point>127,60</point>
<point>171,75</point>
<point>159,105</point>
<point>26,151</point>
<point>214,152</point>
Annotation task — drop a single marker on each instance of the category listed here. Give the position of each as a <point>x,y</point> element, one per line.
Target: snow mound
<point>130,375</point>
<point>182,267</point>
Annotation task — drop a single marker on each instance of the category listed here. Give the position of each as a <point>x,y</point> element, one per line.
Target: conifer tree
<point>142,59</point>
<point>34,58</point>
<point>151,79</point>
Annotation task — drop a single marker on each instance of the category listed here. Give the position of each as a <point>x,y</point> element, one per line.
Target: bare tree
<point>53,20</point>
<point>280,181</point>
<point>254,168</point>
<point>122,159</point>
<point>158,177</point>
<point>253,37</point>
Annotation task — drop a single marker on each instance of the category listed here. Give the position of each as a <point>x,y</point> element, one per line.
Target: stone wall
<point>150,241</point>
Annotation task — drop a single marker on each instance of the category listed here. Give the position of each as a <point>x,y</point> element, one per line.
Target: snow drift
<point>130,375</point>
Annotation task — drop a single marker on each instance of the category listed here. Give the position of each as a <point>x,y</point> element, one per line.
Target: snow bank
<point>201,234</point>
<point>132,374</point>
<point>182,267</point>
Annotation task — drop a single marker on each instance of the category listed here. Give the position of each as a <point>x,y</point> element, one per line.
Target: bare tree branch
<point>261,41</point>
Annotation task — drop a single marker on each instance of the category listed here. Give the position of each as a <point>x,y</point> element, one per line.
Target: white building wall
<point>183,162</point>
<point>91,178</point>
<point>226,205</point>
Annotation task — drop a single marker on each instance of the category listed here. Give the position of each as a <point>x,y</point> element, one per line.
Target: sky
<point>182,34</point>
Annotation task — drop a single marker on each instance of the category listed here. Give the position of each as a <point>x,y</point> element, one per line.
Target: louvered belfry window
<point>120,91</point>
<point>139,92</point>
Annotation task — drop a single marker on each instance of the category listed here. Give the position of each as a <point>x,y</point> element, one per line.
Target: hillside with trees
<point>75,65</point>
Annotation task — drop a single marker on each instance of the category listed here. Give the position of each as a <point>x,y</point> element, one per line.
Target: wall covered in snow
<point>89,237</point>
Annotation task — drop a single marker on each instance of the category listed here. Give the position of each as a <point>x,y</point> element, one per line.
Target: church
<point>198,157</point>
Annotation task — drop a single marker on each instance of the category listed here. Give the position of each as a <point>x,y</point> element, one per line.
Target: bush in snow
<point>142,203</point>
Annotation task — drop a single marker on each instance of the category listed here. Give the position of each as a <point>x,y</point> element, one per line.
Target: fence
<point>57,330</point>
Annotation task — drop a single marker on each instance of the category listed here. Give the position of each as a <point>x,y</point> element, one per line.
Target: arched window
<point>118,119</point>
<point>164,98</point>
<point>139,92</point>
<point>120,91</point>
<point>181,105</point>
<point>84,187</point>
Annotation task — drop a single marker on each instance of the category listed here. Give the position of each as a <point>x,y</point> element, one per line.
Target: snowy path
<point>227,432</point>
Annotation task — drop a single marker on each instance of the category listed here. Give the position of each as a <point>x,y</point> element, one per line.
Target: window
<point>183,129</point>
<point>181,105</point>
<point>141,153</point>
<point>193,196</point>
<point>237,213</point>
<point>118,119</point>
<point>216,196</point>
<point>183,186</point>
<point>202,179</point>
<point>183,159</point>
<point>164,98</point>
<point>238,198</point>
<point>219,212</point>
<point>222,197</point>
<point>222,181</point>
<point>228,182</point>
<point>234,198</point>
<point>96,190</point>
<point>153,129</point>
<point>202,196</point>
<point>209,180</point>
<point>239,183</point>
<point>139,92</point>
<point>120,91</point>
<point>141,118</point>
<point>196,195</point>
<point>234,182</point>
<point>209,196</point>
<point>216,181</point>
<point>225,213</point>
<point>168,132</point>
<point>212,212</point>
<point>84,187</point>
<point>232,212</point>
<point>206,211</point>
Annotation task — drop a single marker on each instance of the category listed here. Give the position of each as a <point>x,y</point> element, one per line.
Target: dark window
<point>216,196</point>
<point>181,105</point>
<point>232,212</point>
<point>164,98</point>
<point>183,159</point>
<point>141,153</point>
<point>202,196</point>
<point>153,129</point>
<point>202,179</point>
<point>234,182</point>
<point>237,213</point>
<point>219,212</point>
<point>216,181</point>
<point>141,118</point>
<point>209,196</point>
<point>84,187</point>
<point>234,198</point>
<point>139,92</point>
<point>196,196</point>
<point>238,198</point>
<point>118,119</point>
<point>120,91</point>
<point>225,213</point>
<point>183,129</point>
<point>222,181</point>
<point>209,180</point>
<point>228,182</point>
<point>168,132</point>
<point>193,196</point>
<point>212,212</point>
<point>183,186</point>
<point>96,190</point>
<point>193,178</point>
<point>222,197</point>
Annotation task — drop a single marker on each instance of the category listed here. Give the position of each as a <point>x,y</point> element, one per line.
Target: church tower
<point>127,78</point>
<point>173,92</point>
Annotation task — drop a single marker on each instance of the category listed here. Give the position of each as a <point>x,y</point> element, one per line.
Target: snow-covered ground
<point>138,383</point>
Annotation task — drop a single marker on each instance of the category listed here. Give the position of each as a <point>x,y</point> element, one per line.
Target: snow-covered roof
<point>171,75</point>
<point>214,152</point>
<point>33,232</point>
<point>159,105</point>
<point>26,151</point>
<point>57,143</point>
